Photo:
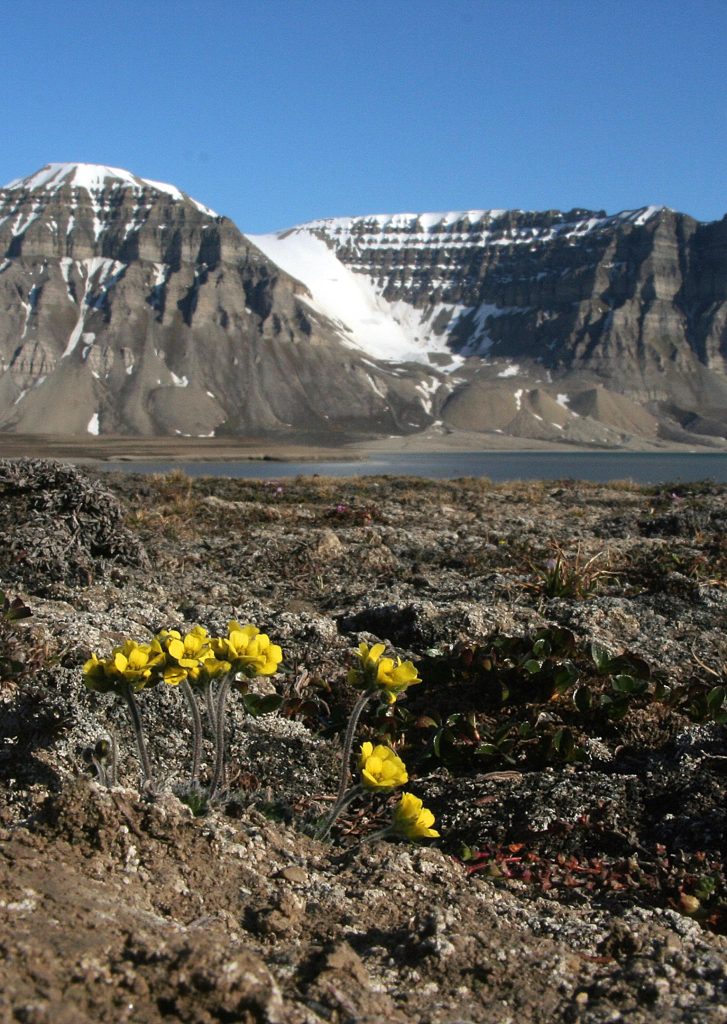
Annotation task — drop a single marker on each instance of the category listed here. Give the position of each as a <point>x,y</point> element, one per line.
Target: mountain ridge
<point>159,316</point>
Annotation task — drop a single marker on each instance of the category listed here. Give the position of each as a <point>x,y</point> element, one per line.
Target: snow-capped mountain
<point>129,307</point>
<point>409,285</point>
<point>574,303</point>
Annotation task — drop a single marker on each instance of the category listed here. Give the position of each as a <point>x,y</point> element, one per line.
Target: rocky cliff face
<point>567,289</point>
<point>635,304</point>
<point>128,307</point>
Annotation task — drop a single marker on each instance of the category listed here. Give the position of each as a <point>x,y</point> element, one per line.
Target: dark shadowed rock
<point>57,525</point>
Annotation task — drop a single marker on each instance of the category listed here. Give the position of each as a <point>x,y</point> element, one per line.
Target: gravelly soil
<point>579,875</point>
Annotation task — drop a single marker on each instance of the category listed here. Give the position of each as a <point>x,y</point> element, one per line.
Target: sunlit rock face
<point>567,289</point>
<point>127,307</point>
<point>633,304</point>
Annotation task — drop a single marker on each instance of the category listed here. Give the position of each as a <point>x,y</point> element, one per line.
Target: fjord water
<point>597,467</point>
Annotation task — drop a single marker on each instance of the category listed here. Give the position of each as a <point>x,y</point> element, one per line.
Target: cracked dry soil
<point>577,902</point>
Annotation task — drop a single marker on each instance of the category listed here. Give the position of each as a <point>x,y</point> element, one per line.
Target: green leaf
<point>257,704</point>
<point>565,675</point>
<point>501,733</point>
<point>563,743</point>
<point>627,684</point>
<point>582,699</point>
<point>437,743</point>
<point>532,666</point>
<point>661,691</point>
<point>698,709</point>
<point>601,657</point>
<point>488,750</point>
<point>13,610</point>
<point>716,698</point>
<point>426,722</point>
<point>623,684</point>
<point>541,648</point>
<point>705,887</point>
<point>10,666</point>
<point>562,639</point>
<point>630,664</point>
<point>618,709</point>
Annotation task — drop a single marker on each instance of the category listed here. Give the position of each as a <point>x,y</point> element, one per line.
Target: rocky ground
<point>568,736</point>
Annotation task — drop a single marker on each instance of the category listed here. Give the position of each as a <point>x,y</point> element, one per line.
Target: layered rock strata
<point>126,307</point>
<point>129,308</point>
<point>635,303</point>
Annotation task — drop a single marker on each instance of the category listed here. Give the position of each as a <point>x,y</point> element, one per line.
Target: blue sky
<point>275,112</point>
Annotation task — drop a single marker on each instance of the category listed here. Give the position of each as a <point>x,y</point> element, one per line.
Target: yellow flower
<point>189,657</point>
<point>364,674</point>
<point>412,820</point>
<point>370,656</point>
<point>130,663</point>
<point>381,768</point>
<point>96,677</point>
<point>187,651</point>
<point>393,676</point>
<point>248,650</point>
<point>173,675</point>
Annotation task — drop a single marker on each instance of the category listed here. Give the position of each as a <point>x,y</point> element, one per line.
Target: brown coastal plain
<point>568,735</point>
<point>312,447</point>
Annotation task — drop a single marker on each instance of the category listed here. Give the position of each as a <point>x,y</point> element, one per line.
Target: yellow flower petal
<point>411,820</point>
<point>175,648</point>
<point>381,768</point>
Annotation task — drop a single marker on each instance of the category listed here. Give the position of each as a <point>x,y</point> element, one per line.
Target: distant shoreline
<point>308,448</point>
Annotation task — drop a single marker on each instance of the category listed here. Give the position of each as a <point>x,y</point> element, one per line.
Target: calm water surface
<point>599,467</point>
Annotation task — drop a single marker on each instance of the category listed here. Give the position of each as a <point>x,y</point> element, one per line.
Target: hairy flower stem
<point>100,771</point>
<point>346,765</point>
<point>340,805</point>
<point>209,703</point>
<point>381,833</point>
<point>219,713</point>
<point>128,695</point>
<point>196,731</point>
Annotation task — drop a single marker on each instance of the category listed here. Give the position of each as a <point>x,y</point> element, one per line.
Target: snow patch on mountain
<point>94,178</point>
<point>100,276</point>
<point>348,265</point>
<point>396,332</point>
<point>463,228</point>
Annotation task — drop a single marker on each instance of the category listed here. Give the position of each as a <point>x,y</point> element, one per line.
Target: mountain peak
<point>95,178</point>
